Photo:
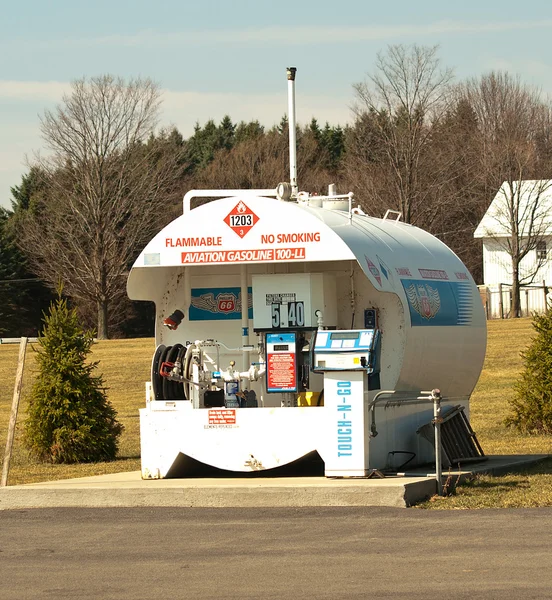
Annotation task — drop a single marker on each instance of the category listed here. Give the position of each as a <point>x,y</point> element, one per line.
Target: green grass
<point>524,488</point>
<point>125,365</point>
<point>489,406</point>
<point>489,402</point>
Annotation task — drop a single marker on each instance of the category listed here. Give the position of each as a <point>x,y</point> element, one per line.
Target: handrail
<point>392,212</point>
<point>187,201</point>
<point>434,396</point>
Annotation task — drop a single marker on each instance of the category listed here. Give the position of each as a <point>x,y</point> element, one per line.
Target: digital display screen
<point>280,347</point>
<point>344,335</point>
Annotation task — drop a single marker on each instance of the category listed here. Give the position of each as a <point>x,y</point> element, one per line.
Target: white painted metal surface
<point>292,124</point>
<point>430,316</point>
<point>346,436</point>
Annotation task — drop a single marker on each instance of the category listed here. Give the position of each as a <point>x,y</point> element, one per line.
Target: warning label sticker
<point>241,219</point>
<point>222,416</point>
<point>281,373</point>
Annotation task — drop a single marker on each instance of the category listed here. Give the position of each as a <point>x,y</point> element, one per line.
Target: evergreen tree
<point>23,296</point>
<point>30,192</point>
<point>9,270</point>
<point>333,138</point>
<point>207,140</point>
<point>248,131</point>
<point>226,133</point>
<point>283,126</point>
<point>314,128</point>
<point>69,417</point>
<point>532,404</point>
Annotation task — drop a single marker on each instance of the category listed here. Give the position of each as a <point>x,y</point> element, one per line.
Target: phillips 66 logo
<point>226,303</point>
<point>217,303</point>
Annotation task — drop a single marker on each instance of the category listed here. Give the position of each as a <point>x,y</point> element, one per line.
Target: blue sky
<point>217,57</point>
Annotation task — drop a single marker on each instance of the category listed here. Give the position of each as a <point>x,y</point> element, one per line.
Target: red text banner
<point>230,256</point>
<point>222,416</point>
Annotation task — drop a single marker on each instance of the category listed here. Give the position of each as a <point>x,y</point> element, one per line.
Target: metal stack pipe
<point>292,122</point>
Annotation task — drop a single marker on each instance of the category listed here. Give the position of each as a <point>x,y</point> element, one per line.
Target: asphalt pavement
<point>318,552</point>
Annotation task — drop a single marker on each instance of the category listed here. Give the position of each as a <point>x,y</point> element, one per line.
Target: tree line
<point>421,143</point>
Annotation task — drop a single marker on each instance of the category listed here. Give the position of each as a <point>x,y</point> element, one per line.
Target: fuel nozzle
<point>174,320</point>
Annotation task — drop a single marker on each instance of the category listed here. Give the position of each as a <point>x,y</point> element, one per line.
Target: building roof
<point>531,199</point>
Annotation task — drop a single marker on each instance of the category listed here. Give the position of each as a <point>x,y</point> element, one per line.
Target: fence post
<point>500,301</point>
<point>15,408</point>
<point>544,291</point>
<point>437,420</point>
<point>526,302</point>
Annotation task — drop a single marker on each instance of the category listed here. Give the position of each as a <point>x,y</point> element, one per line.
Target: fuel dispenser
<point>260,361</point>
<point>349,361</point>
<point>281,362</point>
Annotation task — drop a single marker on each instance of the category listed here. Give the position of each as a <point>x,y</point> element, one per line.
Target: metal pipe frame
<point>433,396</point>
<point>187,201</point>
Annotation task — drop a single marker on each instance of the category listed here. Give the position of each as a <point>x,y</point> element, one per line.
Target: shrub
<point>532,403</point>
<point>69,418</point>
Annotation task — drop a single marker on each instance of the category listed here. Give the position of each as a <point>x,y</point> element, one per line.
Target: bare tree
<point>399,104</point>
<point>263,162</point>
<point>109,187</point>
<point>519,221</point>
<point>254,163</point>
<point>515,157</point>
<point>463,196</point>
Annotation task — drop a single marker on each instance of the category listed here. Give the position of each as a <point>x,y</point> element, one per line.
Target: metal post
<point>437,420</point>
<point>500,301</point>
<point>245,315</point>
<point>545,291</point>
<point>292,130</point>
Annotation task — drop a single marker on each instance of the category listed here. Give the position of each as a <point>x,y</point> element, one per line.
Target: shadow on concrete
<point>310,465</point>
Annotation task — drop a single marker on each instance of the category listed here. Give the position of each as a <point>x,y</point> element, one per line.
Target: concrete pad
<point>496,464</point>
<point>128,489</point>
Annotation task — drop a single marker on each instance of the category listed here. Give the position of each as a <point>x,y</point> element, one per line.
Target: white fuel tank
<point>346,271</point>
<point>429,310</point>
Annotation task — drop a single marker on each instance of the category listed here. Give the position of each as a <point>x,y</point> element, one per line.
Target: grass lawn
<point>125,365</point>
<point>529,487</point>
<point>489,402</point>
<point>489,407</point>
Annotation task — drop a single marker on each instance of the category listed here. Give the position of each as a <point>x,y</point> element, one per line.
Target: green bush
<point>69,418</point>
<point>532,403</point>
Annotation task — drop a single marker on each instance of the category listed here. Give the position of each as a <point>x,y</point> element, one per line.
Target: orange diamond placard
<point>241,218</point>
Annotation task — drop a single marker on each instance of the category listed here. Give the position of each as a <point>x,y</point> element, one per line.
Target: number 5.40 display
<point>291,314</point>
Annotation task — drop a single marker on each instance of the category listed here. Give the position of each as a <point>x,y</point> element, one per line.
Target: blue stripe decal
<point>217,304</point>
<point>439,303</point>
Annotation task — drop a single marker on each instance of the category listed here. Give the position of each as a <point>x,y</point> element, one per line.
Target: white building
<point>526,205</point>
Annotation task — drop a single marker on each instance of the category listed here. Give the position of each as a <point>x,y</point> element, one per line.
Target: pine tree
<point>69,418</point>
<point>532,404</point>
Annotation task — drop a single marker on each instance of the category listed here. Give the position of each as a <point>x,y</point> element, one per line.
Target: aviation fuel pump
<point>279,317</point>
<point>300,364</point>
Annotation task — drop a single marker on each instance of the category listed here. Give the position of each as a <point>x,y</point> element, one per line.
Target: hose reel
<point>171,372</point>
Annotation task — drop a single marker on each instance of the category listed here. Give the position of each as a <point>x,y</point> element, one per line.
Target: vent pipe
<point>292,131</point>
